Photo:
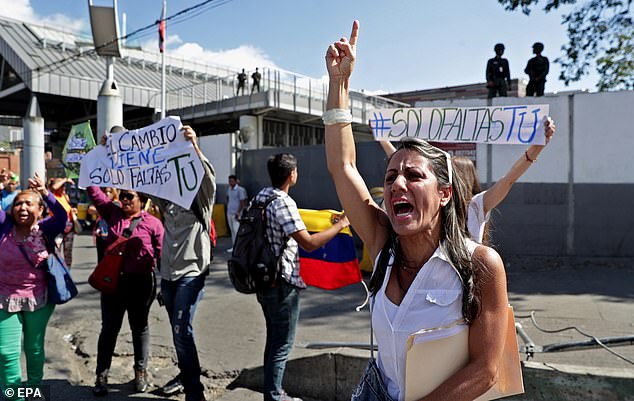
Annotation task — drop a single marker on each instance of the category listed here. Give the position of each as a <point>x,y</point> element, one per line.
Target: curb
<point>332,376</point>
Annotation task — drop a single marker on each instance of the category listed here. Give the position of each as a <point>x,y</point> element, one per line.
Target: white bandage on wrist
<point>337,116</point>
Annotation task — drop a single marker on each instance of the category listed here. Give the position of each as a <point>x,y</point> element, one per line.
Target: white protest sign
<point>493,125</point>
<point>155,160</point>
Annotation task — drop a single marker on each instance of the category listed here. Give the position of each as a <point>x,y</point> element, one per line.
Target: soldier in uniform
<point>498,73</point>
<point>537,69</point>
<point>256,76</point>
<point>242,80</point>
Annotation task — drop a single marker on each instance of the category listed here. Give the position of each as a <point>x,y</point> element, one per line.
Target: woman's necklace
<point>411,272</point>
<point>409,267</point>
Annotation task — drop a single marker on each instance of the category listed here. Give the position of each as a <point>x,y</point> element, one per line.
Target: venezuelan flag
<point>334,265</point>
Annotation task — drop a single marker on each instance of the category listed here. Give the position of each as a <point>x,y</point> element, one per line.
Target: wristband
<point>528,159</point>
<point>337,116</point>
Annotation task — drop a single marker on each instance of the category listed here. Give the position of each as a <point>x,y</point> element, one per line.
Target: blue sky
<point>403,44</point>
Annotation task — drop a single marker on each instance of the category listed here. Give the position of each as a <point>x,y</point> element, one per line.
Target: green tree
<point>600,32</point>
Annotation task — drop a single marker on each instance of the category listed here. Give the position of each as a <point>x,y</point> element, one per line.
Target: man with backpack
<point>285,230</point>
<point>185,262</point>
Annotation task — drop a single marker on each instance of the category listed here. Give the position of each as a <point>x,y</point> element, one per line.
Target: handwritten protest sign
<point>155,160</point>
<point>493,125</point>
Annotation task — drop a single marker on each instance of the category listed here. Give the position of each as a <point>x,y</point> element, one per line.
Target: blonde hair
<point>466,169</point>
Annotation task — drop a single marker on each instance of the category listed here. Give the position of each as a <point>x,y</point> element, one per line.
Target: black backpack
<point>253,265</point>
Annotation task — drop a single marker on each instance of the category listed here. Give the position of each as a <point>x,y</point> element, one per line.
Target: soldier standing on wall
<point>498,73</point>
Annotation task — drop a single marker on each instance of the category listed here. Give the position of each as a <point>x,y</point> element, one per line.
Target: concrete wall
<point>575,200</point>
<point>314,189</point>
<point>217,148</point>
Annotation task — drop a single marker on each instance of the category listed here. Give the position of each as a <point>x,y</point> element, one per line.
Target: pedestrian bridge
<point>62,69</point>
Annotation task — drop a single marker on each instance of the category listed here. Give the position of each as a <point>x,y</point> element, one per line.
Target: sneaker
<point>285,397</point>
<point>101,385</point>
<point>140,381</point>
<point>229,250</point>
<point>173,386</point>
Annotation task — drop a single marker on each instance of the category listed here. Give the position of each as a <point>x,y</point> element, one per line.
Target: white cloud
<point>245,56</point>
<point>64,22</point>
<point>17,9</point>
<point>22,10</point>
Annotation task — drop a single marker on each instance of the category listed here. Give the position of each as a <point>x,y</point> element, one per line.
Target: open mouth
<point>402,208</point>
<point>22,217</point>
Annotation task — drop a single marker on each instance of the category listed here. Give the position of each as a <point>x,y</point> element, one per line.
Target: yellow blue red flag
<point>335,264</point>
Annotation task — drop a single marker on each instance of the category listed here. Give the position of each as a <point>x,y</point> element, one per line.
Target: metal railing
<point>286,90</point>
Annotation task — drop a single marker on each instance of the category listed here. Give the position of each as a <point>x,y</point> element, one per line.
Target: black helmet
<point>498,46</point>
<point>538,46</point>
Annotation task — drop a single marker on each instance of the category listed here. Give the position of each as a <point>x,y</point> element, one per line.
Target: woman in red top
<point>136,289</point>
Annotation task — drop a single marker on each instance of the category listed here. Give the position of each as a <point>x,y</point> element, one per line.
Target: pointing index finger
<point>355,33</point>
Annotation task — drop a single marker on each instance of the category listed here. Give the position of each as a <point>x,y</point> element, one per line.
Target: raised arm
<point>207,192</point>
<point>55,224</point>
<point>340,148</point>
<point>103,204</point>
<point>496,194</point>
<point>310,242</point>
<point>190,135</point>
<point>60,182</point>
<point>388,148</point>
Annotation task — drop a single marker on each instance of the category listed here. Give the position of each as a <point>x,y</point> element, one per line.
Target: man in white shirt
<point>236,202</point>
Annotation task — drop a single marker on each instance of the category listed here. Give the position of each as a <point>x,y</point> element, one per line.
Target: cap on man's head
<point>116,129</point>
<point>498,46</point>
<point>539,46</point>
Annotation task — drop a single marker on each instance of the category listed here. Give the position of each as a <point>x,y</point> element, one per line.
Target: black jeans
<point>134,295</point>
<point>498,89</point>
<point>101,247</point>
<point>535,88</point>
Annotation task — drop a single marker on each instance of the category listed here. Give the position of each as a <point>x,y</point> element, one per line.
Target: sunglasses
<point>126,196</point>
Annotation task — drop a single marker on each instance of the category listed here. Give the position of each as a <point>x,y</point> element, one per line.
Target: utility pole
<point>105,34</point>
<point>163,29</point>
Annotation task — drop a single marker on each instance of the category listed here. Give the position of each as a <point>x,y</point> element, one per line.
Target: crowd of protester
<point>430,200</point>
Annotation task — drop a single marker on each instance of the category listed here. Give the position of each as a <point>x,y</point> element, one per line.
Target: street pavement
<point>595,295</point>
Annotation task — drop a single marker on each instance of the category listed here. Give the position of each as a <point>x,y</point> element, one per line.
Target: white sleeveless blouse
<point>433,300</point>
